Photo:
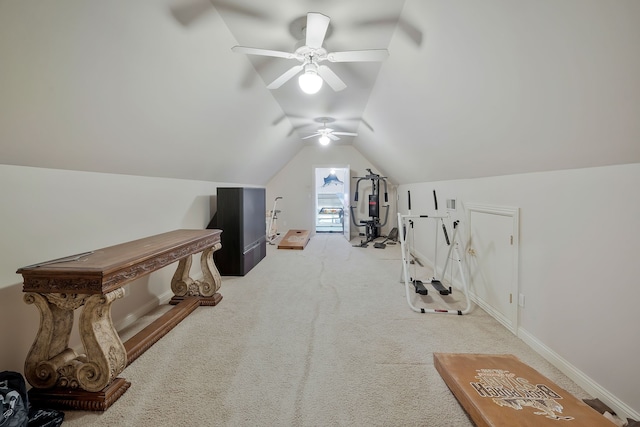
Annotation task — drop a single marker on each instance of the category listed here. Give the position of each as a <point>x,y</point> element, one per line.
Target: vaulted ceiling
<point>470,88</point>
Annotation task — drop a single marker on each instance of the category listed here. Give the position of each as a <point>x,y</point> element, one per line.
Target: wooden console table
<point>62,378</point>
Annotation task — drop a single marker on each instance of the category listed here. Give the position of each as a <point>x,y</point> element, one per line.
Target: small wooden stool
<point>294,239</point>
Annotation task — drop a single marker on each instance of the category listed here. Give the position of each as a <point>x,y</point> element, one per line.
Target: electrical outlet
<point>521,300</point>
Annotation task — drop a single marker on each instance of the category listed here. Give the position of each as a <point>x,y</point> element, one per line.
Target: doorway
<point>332,200</point>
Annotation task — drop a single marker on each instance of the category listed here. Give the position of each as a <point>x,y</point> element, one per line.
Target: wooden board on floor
<point>500,390</point>
<point>294,239</point>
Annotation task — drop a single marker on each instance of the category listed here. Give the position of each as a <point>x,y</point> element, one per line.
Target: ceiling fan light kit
<point>310,82</point>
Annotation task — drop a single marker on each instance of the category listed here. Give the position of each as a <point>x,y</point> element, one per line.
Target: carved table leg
<point>55,370</point>
<point>206,289</point>
<point>106,356</point>
<point>56,321</point>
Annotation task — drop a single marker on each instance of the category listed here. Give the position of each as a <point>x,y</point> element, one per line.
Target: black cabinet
<point>241,215</point>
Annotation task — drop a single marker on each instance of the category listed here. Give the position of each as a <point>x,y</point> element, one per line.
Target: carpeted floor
<point>318,337</point>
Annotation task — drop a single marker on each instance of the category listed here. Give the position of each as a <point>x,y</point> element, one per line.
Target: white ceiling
<point>470,89</point>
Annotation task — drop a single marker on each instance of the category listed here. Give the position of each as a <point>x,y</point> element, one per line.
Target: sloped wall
<point>579,244</point>
<point>48,214</point>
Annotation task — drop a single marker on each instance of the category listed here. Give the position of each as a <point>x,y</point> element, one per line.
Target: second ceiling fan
<point>310,56</point>
<point>326,134</point>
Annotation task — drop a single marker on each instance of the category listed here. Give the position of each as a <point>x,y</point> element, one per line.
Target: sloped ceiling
<point>470,88</point>
<point>504,87</point>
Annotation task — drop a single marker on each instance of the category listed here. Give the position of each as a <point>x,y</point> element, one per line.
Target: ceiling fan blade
<point>187,13</point>
<point>311,136</point>
<point>333,136</point>
<point>364,122</point>
<point>285,77</point>
<point>345,133</point>
<point>370,55</point>
<point>368,125</point>
<point>295,129</point>
<point>286,115</point>
<point>234,8</point>
<point>263,52</point>
<point>317,25</point>
<point>331,78</point>
<point>408,28</point>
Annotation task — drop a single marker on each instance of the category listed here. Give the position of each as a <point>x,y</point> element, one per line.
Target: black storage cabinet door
<point>241,215</point>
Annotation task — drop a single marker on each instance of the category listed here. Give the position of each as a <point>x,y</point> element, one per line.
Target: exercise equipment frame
<point>453,247</point>
<point>373,226</point>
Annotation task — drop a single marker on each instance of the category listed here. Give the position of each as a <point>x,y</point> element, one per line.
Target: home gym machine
<point>452,243</point>
<point>373,225</point>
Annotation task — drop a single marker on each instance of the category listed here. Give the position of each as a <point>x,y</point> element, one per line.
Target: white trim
<point>504,321</point>
<point>580,378</point>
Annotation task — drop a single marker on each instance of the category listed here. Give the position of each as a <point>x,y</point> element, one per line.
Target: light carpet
<point>317,337</point>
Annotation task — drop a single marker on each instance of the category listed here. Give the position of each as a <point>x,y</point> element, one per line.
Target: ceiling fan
<point>311,54</point>
<point>326,134</point>
<point>187,12</point>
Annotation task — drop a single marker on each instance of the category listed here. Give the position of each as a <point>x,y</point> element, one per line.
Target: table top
<point>106,269</point>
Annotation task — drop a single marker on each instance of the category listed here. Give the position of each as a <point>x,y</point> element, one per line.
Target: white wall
<point>579,247</point>
<point>295,183</point>
<point>47,214</point>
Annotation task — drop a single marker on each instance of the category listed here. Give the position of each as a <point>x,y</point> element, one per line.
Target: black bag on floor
<point>14,400</point>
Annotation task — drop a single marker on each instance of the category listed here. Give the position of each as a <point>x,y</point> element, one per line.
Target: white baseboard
<point>585,382</point>
<point>589,385</point>
<point>492,312</point>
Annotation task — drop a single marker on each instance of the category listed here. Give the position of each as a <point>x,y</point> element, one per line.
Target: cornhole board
<point>500,390</point>
<point>294,239</point>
